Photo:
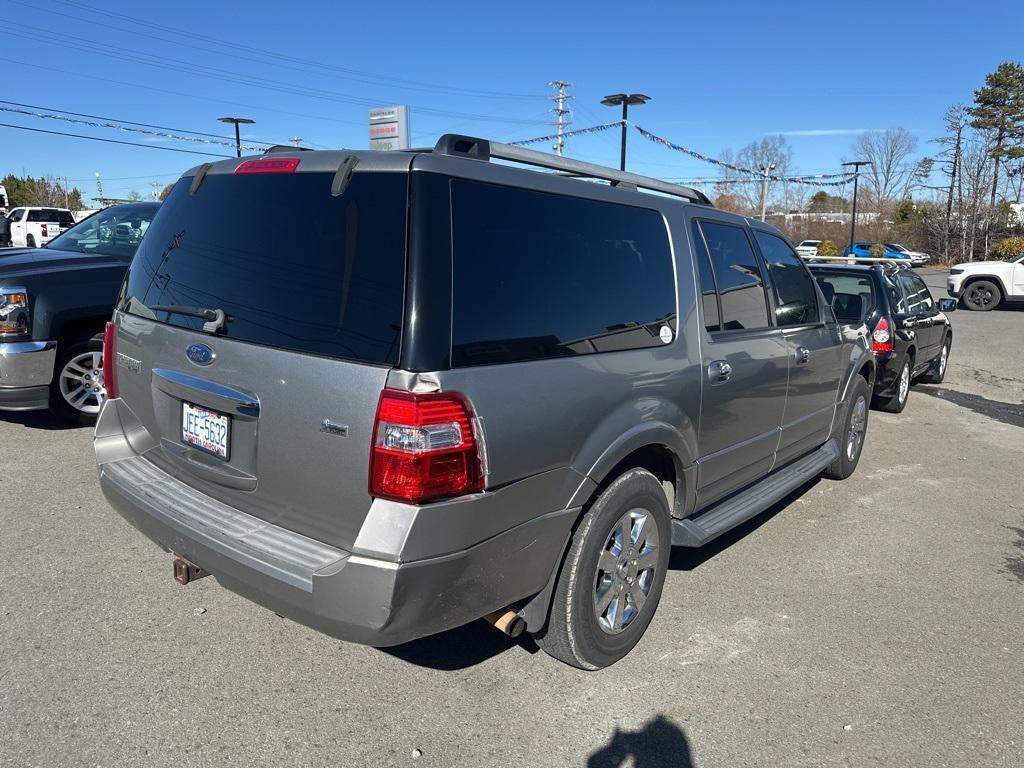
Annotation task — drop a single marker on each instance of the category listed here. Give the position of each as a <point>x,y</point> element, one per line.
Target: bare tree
<point>955,120</point>
<point>893,172</point>
<point>756,156</point>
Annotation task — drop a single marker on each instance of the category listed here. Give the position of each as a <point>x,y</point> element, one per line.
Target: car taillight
<point>269,165</point>
<point>110,359</point>
<point>881,338</point>
<point>423,448</point>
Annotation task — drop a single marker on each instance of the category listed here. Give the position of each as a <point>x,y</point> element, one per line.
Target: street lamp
<point>764,188</point>
<point>238,139</point>
<point>625,99</point>
<point>856,175</point>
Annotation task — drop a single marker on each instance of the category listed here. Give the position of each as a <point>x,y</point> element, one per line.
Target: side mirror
<point>947,305</point>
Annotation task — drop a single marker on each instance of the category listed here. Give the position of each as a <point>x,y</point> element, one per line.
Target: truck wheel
<point>30,241</point>
<point>937,371</point>
<point>982,295</point>
<point>611,581</point>
<point>855,427</point>
<point>898,401</point>
<point>77,392</point>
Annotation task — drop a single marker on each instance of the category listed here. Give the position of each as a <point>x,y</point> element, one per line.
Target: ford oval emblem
<point>200,354</point>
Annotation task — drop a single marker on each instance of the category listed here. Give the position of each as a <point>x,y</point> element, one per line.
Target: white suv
<point>808,248</point>
<point>984,285</point>
<point>35,227</point>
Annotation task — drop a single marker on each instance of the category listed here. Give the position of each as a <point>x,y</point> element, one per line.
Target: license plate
<point>205,429</point>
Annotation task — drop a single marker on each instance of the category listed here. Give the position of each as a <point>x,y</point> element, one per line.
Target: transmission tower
<point>561,111</point>
<point>296,140</point>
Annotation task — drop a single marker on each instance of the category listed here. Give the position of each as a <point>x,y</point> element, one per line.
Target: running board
<point>726,515</point>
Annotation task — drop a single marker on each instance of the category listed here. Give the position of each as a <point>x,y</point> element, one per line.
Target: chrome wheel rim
<point>81,382</point>
<point>626,571</point>
<point>855,434</point>
<point>942,359</point>
<point>904,382</point>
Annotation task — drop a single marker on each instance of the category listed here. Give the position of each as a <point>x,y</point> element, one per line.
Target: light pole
<point>856,176</point>
<point>238,138</point>
<point>764,188</point>
<point>625,99</point>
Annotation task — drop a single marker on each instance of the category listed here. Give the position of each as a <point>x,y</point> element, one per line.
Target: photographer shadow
<point>659,744</point>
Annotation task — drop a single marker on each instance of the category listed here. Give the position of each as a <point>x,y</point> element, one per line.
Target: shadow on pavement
<point>688,559</point>
<point>659,743</point>
<point>460,648</point>
<point>37,420</point>
<point>1007,413</point>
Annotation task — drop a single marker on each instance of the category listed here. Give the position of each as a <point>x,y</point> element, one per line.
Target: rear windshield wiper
<point>215,319</point>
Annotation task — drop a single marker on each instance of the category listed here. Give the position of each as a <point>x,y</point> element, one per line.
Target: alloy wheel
<point>625,571</point>
<point>980,296</point>
<point>855,433</point>
<point>81,382</point>
<point>943,356</point>
<point>904,382</point>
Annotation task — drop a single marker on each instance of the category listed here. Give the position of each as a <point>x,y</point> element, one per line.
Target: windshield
<point>115,231</point>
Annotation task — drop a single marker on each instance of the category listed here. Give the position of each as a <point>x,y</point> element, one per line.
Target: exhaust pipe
<point>506,621</point>
<point>186,572</point>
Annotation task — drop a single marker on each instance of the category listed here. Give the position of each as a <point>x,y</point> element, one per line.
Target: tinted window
<point>918,298</point>
<point>538,275</point>
<point>852,296</point>
<point>709,295</point>
<point>291,265</point>
<point>51,215</point>
<point>899,304</point>
<point>796,301</point>
<point>740,286</point>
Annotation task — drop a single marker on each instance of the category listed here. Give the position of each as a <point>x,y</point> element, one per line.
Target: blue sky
<point>720,74</point>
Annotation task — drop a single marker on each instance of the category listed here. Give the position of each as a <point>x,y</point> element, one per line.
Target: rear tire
<point>898,401</point>
<point>609,587</point>
<point>77,392</point>
<point>937,371</point>
<point>855,427</point>
<point>982,296</point>
<point>30,241</point>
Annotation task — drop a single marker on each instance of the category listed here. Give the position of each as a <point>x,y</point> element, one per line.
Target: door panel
<point>814,373</point>
<point>922,311</point>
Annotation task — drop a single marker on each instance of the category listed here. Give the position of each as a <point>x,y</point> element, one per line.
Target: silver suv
<point>454,388</point>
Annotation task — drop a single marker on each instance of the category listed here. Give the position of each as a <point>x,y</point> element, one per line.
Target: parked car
<point>917,258</point>
<point>808,248</point>
<point>909,332</point>
<point>863,251</point>
<point>984,285</point>
<point>4,201</point>
<point>35,227</point>
<point>429,413</point>
<point>5,231</point>
<point>54,304</point>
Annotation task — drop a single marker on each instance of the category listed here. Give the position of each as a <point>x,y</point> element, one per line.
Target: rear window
<point>852,296</point>
<point>290,265</point>
<point>538,275</point>
<point>51,215</point>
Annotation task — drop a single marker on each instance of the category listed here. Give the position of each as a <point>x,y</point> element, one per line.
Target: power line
<point>347,73</point>
<point>109,141</point>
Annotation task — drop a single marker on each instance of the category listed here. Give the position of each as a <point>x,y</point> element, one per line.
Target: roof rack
<point>853,260</point>
<point>272,150</point>
<point>455,145</point>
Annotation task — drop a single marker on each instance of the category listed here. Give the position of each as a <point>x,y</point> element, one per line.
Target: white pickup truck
<point>35,227</point>
<point>984,285</point>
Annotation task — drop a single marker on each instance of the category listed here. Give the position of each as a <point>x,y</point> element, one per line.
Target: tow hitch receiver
<point>185,572</point>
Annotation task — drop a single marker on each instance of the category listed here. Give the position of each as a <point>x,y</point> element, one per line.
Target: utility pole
<point>625,99</point>
<point>238,137</point>
<point>764,188</point>
<point>66,203</point>
<point>295,140</point>
<point>561,111</point>
<point>856,177</point>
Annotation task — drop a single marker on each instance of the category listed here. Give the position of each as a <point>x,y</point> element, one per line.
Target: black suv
<point>909,331</point>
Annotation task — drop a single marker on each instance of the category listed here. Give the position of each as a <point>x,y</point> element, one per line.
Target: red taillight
<point>881,338</point>
<point>110,359</point>
<point>269,165</point>
<point>423,448</point>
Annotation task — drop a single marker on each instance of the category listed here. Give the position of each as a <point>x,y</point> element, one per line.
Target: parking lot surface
<point>876,621</point>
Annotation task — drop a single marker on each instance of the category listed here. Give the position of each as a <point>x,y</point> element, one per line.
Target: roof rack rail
<point>896,263</point>
<point>455,145</point>
<point>284,148</point>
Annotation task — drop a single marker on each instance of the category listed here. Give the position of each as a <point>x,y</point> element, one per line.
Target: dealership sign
<point>389,128</point>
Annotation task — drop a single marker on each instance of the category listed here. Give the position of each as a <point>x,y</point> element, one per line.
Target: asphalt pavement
<point>876,621</point>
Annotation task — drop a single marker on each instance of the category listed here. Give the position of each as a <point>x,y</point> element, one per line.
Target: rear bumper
<point>26,369</point>
<point>355,597</point>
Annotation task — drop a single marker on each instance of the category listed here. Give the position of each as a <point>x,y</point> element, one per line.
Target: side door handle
<point>719,372</point>
<point>803,354</point>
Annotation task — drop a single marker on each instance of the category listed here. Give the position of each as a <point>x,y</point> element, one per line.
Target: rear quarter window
<point>538,275</point>
<point>852,296</point>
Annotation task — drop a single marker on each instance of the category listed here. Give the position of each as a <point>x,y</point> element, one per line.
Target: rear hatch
<point>271,409</point>
<point>53,220</point>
